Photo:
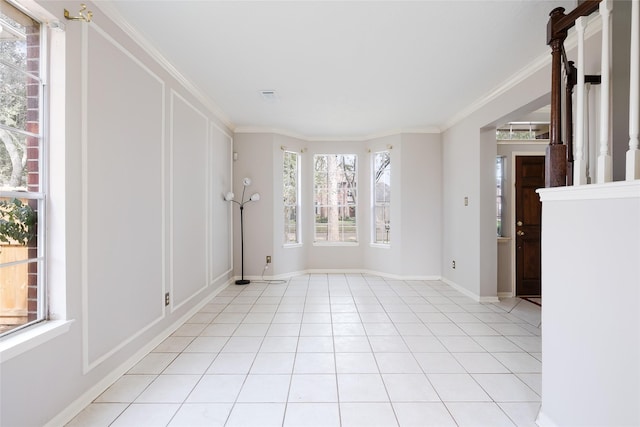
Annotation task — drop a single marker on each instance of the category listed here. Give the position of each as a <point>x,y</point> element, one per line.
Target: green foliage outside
<point>18,222</point>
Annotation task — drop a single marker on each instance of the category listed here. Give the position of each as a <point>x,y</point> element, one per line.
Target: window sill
<point>292,245</point>
<point>21,342</point>
<point>381,245</point>
<point>336,244</point>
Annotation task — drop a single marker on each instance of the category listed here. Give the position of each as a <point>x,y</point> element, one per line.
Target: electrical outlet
<point>268,259</point>
<point>167,299</point>
<point>453,264</point>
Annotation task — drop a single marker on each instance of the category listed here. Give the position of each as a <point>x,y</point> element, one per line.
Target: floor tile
<point>273,363</point>
<point>352,344</point>
<point>251,330</point>
<point>312,415</point>
<point>397,363</point>
<point>480,363</point>
<point>409,388</point>
<point>190,363</point>
<point>265,388</point>
<point>506,388</point>
<point>314,363</point>
<point>219,330</point>
<point>201,415</point>
<point>457,344</point>
<point>173,345</point>
<point>217,389</point>
<point>392,343</point>
<point>279,345</point>
<point>146,414</point>
<point>361,388</point>
<point>348,329</point>
<point>169,389</point>
<point>316,330</point>
<point>315,345</point>
<point>439,363</point>
<point>423,414</point>
<point>478,414</point>
<point>534,381</point>
<point>530,344</point>
<point>457,388</point>
<point>126,389</point>
<point>497,344</point>
<point>413,329</point>
<point>523,414</point>
<point>445,329</point>
<point>189,330</point>
<point>232,363</point>
<point>284,330</point>
<point>256,415</point>
<point>242,345</point>
<point>427,344</point>
<point>206,345</point>
<point>313,388</point>
<point>356,363</point>
<point>519,362</point>
<point>367,415</point>
<point>153,363</point>
<point>98,415</point>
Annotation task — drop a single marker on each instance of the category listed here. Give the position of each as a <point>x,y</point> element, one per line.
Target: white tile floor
<point>337,350</point>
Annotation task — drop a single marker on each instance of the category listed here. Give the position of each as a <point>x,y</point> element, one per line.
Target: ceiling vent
<point>269,95</point>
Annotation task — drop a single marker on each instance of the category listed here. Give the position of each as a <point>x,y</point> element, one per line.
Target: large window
<point>382,197</point>
<point>335,198</point>
<point>499,194</point>
<point>291,193</point>
<point>21,189</point>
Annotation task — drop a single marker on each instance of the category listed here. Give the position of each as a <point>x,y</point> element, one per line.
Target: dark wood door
<point>529,177</point>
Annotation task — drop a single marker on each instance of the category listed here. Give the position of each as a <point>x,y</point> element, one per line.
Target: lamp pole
<point>242,281</point>
<point>229,197</point>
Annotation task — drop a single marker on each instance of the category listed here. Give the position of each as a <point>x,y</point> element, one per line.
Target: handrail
<point>559,157</point>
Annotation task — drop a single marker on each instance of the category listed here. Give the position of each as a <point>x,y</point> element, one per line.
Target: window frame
<point>298,234</point>
<point>23,332</point>
<point>374,202</point>
<point>317,206</point>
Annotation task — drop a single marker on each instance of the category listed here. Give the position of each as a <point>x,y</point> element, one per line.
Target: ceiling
<point>347,69</point>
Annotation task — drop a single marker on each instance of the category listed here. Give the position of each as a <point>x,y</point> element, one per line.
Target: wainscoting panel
<point>190,196</point>
<point>123,196</point>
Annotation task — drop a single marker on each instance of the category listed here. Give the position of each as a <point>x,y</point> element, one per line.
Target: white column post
<point>633,154</point>
<point>579,165</point>
<point>604,172</point>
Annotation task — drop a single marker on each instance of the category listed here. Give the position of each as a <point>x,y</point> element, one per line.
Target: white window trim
<point>14,345</point>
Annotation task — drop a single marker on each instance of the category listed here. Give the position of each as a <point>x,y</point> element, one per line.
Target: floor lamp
<point>229,197</point>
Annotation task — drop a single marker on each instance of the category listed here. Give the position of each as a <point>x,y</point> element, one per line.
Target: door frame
<point>512,226</point>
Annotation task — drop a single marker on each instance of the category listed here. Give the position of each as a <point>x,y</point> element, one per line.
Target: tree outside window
<point>382,197</point>
<point>21,193</point>
<point>291,194</point>
<point>335,198</point>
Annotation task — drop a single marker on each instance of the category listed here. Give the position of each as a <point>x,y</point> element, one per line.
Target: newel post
<point>556,153</point>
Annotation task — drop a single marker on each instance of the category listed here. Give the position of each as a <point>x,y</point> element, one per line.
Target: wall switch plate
<point>466,201</point>
<point>167,299</point>
<point>268,259</point>
<point>453,264</point>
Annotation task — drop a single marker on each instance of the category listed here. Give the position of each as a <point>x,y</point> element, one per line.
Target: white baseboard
<point>339,271</point>
<point>468,293</point>
<point>505,294</point>
<point>91,394</point>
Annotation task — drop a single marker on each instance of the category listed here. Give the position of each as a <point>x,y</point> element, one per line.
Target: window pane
<point>499,194</point>
<point>335,197</point>
<point>21,263</point>
<point>382,196</point>
<point>291,188</point>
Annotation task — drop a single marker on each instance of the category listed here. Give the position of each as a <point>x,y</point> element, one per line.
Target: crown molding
<point>112,13</point>
<point>593,26</point>
<point>257,129</point>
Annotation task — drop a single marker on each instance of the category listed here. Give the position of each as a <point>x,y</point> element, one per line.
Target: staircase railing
<point>566,161</point>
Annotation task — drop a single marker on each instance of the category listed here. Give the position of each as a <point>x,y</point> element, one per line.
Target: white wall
<point>145,164</point>
<point>590,275</point>
<point>416,207</point>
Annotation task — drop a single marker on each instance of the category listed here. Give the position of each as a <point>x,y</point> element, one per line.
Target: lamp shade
<point>229,196</point>
<point>246,182</point>
<point>255,197</point>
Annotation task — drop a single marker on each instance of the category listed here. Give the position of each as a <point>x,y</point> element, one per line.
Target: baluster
<point>579,163</point>
<point>604,173</point>
<point>633,154</point>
